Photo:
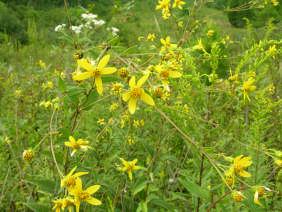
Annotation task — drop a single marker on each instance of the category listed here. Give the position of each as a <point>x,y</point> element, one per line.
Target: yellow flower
<point>165,72</point>
<point>18,93</point>
<point>238,196</point>
<point>71,180</point>
<point>248,86</point>
<point>114,106</point>
<point>101,121</point>
<point>272,51</point>
<point>278,162</point>
<point>41,64</point>
<point>123,73</point>
<point>46,104</point>
<point>180,24</point>
<point>164,5</point>
<point>94,71</point>
<point>68,202</point>
<point>229,177</point>
<point>129,167</point>
<point>240,163</point>
<point>28,155</point>
<point>275,2</point>
<point>199,46</point>
<point>179,4</point>
<point>210,33</point>
<point>47,85</point>
<point>81,195</point>
<point>151,37</point>
<point>166,44</point>
<point>80,144</point>
<point>58,205</point>
<point>259,192</point>
<point>117,88</point>
<point>136,92</point>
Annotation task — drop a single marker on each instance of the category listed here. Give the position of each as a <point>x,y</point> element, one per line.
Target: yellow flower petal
<point>142,80</point>
<point>130,175</point>
<point>83,63</point>
<point>99,85</point>
<point>79,174</point>
<point>108,70</point>
<point>68,144</point>
<point>93,201</point>
<point>93,189</point>
<point>174,74</point>
<point>132,105</point>
<point>104,61</point>
<point>147,99</point>
<point>82,76</point>
<point>132,82</point>
<point>126,96</point>
<point>244,174</point>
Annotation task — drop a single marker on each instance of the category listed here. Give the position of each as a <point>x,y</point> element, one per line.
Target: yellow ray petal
<point>83,63</point>
<point>108,70</point>
<point>82,76</point>
<point>93,201</point>
<point>93,189</point>
<point>142,80</point>
<point>132,82</point>
<point>132,105</point>
<point>104,61</point>
<point>99,85</point>
<point>126,96</point>
<point>174,74</point>
<point>147,99</point>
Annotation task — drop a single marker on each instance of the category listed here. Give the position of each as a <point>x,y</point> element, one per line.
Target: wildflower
<point>101,121</point>
<point>41,64</point>
<point>180,24</point>
<point>47,85</point>
<point>81,195</point>
<point>166,44</point>
<point>68,202</point>
<point>199,46</point>
<point>240,163</point>
<point>80,144</point>
<point>275,2</point>
<point>238,196</point>
<point>71,180</point>
<point>136,92</point>
<point>259,192</point>
<point>28,155</point>
<point>130,140</point>
<point>123,73</point>
<point>164,5</point>
<point>129,167</point>
<point>232,77</point>
<point>58,205</point>
<point>94,71</point>
<point>117,88</point>
<point>210,33</point>
<point>278,162</point>
<point>272,51</point>
<point>248,86</point>
<point>165,72</point>
<point>60,27</point>
<point>77,29</point>
<point>178,3</point>
<point>113,106</point>
<point>18,93</point>
<point>151,37</point>
<point>46,104</point>
<point>229,177</point>
<point>138,123</point>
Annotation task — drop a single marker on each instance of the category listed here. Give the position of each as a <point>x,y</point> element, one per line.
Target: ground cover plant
<point>168,105</point>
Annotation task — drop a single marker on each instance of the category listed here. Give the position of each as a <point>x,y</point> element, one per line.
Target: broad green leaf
<point>194,188</point>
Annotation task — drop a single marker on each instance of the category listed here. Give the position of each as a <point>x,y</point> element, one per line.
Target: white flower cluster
<point>114,30</point>
<point>91,20</point>
<point>77,29</point>
<point>59,27</point>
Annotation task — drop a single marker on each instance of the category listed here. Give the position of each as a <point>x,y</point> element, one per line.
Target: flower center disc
<point>136,92</point>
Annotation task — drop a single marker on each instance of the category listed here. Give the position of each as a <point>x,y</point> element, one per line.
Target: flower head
<point>260,192</point>
<point>129,167</point>
<point>179,4</point>
<point>71,180</point>
<point>248,87</point>
<point>240,163</point>
<point>94,71</point>
<point>28,155</point>
<point>76,145</point>
<point>81,195</point>
<point>238,196</point>
<point>137,92</point>
<point>166,71</point>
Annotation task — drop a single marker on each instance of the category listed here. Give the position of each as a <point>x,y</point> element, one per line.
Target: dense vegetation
<point>126,105</point>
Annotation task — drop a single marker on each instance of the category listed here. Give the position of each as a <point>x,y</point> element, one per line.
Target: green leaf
<point>142,207</point>
<point>139,187</point>
<point>38,207</point>
<point>194,188</point>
